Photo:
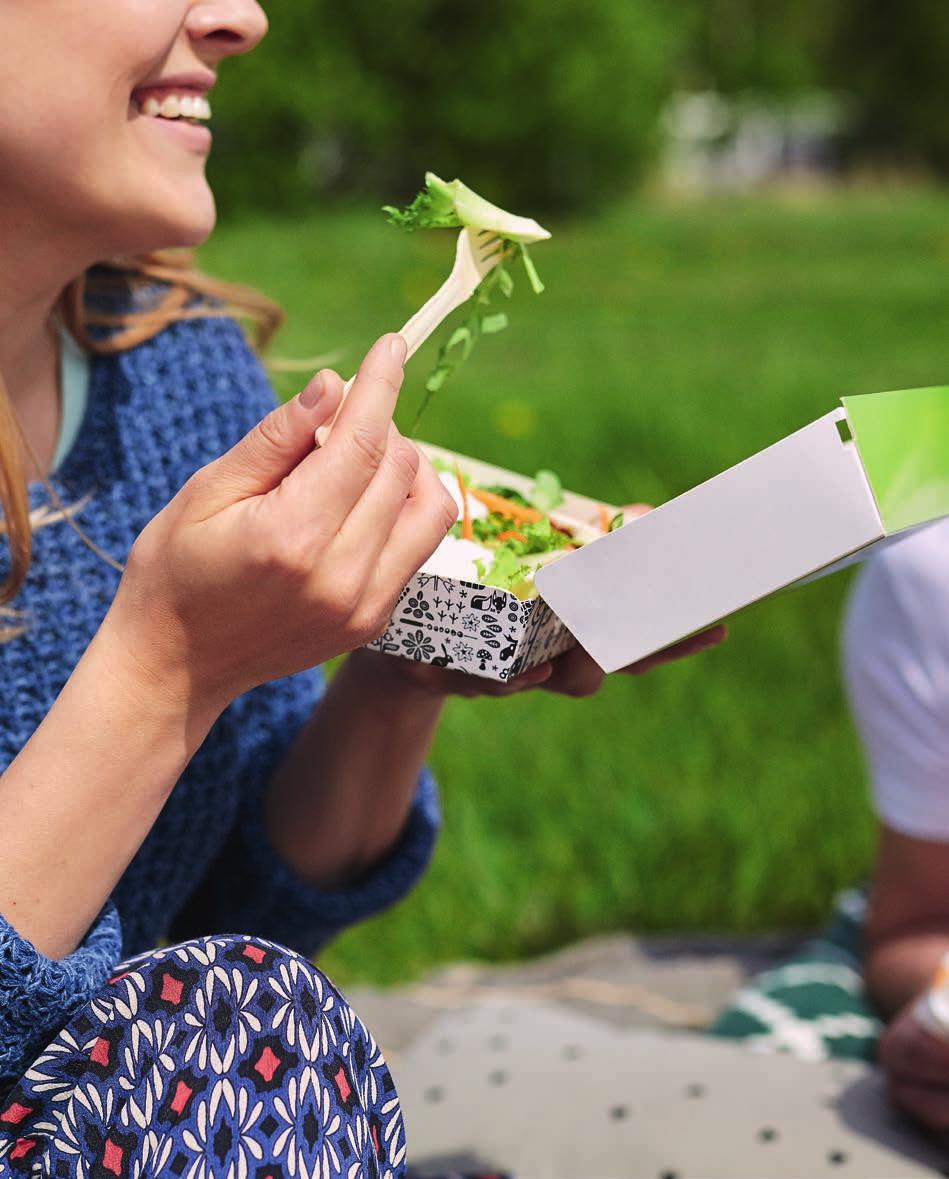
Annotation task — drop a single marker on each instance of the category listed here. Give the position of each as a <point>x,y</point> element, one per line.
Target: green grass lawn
<point>723,793</point>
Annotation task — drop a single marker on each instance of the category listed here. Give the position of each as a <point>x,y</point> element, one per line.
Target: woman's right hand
<point>278,556</point>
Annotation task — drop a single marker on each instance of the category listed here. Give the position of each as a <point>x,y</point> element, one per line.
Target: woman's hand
<point>278,555</point>
<point>575,673</point>
<point>916,1065</point>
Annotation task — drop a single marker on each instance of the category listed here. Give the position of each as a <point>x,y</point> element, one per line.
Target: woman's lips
<point>192,135</point>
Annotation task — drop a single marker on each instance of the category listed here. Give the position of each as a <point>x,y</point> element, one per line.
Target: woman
<point>171,570</point>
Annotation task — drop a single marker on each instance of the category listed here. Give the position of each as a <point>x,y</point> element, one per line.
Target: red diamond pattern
<point>100,1052</point>
<point>15,1113</point>
<point>267,1064</point>
<point>171,989</point>
<point>113,1157</point>
<point>182,1094</point>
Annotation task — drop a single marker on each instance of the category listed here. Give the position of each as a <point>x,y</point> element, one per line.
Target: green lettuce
<point>449,204</point>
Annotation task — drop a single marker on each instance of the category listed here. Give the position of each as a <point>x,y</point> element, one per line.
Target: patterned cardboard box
<point>475,628</point>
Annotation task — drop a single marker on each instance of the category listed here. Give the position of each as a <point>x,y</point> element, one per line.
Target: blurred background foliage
<point>551,104</point>
<point>539,102</point>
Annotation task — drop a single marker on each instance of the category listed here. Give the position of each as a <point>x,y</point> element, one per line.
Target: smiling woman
<point>136,764</point>
<point>171,765</point>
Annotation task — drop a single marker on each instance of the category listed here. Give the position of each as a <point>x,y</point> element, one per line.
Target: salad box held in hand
<point>825,496</point>
<point>472,607</point>
<point>862,476</point>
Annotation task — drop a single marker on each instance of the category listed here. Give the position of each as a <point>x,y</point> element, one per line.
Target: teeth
<point>177,106</point>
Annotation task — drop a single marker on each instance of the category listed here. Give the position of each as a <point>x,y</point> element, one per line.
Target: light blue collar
<point>74,370</point>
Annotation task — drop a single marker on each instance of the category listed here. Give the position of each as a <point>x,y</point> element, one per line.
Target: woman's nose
<point>226,28</point>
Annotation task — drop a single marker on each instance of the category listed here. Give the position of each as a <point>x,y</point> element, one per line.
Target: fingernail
<point>398,349</point>
<point>312,393</point>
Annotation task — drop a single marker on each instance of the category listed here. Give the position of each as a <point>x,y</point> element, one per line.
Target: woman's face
<point>81,162</point>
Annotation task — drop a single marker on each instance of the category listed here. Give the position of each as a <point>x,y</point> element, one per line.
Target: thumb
<point>274,447</point>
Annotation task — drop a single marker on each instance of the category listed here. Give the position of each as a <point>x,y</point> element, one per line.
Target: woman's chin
<point>179,228</point>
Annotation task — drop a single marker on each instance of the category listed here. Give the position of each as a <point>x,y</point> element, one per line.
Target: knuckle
<point>287,555</point>
<point>344,601</point>
<point>367,449</point>
<point>370,621</point>
<point>406,460</point>
<point>193,489</point>
<point>268,433</point>
<point>380,628</point>
<point>448,509</point>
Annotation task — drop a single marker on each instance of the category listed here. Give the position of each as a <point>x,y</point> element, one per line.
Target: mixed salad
<point>444,204</point>
<point>502,537</point>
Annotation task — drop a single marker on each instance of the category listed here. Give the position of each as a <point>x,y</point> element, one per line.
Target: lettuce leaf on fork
<point>452,205</point>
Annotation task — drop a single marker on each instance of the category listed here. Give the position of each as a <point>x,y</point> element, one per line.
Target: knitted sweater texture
<point>155,415</point>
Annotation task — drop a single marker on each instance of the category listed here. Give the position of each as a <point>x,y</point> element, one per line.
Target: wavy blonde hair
<point>178,290</point>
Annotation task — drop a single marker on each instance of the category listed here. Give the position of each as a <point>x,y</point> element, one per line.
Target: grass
<point>723,793</point>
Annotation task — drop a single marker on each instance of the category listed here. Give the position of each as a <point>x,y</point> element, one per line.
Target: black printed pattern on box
<point>472,628</point>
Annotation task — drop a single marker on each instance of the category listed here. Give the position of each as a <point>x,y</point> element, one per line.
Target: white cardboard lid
<point>779,516</point>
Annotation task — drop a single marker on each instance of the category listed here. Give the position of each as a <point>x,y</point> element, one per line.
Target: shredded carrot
<point>466,530</point>
<point>513,511</point>
<point>512,534</point>
<point>605,517</point>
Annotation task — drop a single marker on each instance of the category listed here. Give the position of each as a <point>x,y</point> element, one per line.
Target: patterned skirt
<point>221,1058</point>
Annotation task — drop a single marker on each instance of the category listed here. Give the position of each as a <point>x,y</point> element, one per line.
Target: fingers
<point>690,646</point>
<point>367,529</point>
<point>356,448</point>
<point>912,1055</point>
<point>928,1104</point>
<point>272,449</point>
<point>916,1064</point>
<point>574,673</point>
<point>421,525</point>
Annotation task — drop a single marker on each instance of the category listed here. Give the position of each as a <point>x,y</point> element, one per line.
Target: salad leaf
<point>547,492</point>
<point>451,205</point>
<point>447,204</point>
<point>617,522</point>
<point>506,571</point>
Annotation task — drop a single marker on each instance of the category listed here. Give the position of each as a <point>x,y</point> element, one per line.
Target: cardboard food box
<point>475,628</point>
<point>859,477</point>
<point>864,475</point>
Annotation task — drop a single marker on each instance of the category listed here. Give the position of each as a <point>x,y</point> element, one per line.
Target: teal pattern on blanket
<point>814,1006</point>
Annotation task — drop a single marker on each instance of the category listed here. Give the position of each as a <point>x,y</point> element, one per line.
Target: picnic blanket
<point>814,1006</point>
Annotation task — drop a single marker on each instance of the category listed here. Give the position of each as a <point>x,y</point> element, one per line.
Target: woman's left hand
<point>572,674</point>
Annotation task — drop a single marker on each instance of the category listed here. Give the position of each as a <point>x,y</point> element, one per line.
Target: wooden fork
<point>476,255</point>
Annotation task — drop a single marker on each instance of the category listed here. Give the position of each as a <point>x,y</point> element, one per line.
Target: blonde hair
<point>176,290</point>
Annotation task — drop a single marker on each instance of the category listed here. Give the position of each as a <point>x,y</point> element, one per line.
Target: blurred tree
<point>892,57</point>
<point>771,46</point>
<point>542,103</point>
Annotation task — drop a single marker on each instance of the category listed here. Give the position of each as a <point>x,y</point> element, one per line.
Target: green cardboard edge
<point>902,438</point>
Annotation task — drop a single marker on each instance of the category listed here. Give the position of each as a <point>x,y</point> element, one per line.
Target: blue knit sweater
<point>155,415</point>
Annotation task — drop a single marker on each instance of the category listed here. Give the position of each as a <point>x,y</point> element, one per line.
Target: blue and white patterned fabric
<point>222,1056</point>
